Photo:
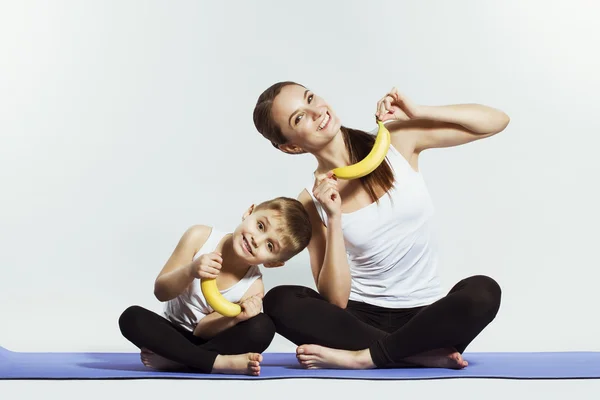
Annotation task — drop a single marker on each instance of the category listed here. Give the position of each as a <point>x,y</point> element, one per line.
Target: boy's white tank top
<point>190,307</point>
<point>390,245</point>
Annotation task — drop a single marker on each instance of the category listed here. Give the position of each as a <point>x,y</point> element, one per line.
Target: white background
<point>122,123</point>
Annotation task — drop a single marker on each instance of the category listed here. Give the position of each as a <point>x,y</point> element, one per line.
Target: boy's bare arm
<point>176,275</point>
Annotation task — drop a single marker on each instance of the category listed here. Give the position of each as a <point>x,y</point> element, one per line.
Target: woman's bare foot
<point>439,358</point>
<point>312,356</point>
<point>248,364</point>
<point>154,361</point>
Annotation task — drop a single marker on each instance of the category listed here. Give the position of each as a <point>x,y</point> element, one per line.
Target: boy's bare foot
<point>312,356</point>
<point>248,364</point>
<point>439,358</point>
<point>154,361</point>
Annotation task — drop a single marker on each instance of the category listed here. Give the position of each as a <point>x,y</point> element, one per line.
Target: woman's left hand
<point>396,106</point>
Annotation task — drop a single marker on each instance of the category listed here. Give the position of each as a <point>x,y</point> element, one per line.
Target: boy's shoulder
<point>196,235</point>
<point>199,230</point>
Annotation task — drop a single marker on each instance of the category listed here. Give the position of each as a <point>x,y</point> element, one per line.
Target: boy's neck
<point>231,262</point>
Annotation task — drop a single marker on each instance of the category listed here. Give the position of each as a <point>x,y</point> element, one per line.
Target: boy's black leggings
<point>146,329</point>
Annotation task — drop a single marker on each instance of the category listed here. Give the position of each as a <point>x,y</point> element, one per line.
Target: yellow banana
<point>216,300</point>
<point>371,161</point>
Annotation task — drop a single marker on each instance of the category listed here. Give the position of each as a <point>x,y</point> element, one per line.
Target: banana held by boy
<point>216,300</point>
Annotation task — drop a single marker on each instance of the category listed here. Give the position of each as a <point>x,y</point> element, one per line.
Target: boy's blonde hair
<point>296,228</point>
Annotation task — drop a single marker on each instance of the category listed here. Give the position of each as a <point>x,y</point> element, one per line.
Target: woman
<point>379,302</point>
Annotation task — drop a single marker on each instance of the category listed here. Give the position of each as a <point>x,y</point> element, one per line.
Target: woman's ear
<point>291,148</point>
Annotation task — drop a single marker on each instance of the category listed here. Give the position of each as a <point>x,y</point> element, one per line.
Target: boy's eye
<point>260,226</point>
<point>297,120</point>
<point>270,246</point>
<point>310,98</point>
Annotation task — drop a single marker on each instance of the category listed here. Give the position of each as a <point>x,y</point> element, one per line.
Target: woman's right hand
<point>326,192</point>
<point>207,266</point>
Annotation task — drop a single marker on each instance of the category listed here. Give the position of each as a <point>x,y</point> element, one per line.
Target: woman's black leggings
<point>146,329</point>
<point>304,317</point>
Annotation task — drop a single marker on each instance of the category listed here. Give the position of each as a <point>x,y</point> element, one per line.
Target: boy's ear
<point>249,211</point>
<point>274,264</point>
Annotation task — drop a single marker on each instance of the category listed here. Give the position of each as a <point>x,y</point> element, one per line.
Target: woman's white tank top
<point>390,245</point>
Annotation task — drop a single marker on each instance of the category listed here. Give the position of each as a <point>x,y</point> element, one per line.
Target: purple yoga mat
<point>555,365</point>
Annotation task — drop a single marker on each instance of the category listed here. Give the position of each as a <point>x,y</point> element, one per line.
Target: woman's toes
<point>306,349</point>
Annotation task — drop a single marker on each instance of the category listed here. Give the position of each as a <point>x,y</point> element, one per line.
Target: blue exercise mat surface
<point>551,365</point>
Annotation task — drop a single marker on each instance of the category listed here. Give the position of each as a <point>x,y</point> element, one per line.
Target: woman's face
<point>305,119</point>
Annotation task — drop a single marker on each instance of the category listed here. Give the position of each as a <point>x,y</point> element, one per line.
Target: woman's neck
<point>333,155</point>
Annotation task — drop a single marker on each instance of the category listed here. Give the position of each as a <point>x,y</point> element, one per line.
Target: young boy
<point>191,336</point>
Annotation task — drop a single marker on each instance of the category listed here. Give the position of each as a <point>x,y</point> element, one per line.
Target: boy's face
<point>258,240</point>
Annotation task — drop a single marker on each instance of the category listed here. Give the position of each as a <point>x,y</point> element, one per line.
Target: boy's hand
<point>250,307</point>
<point>207,266</point>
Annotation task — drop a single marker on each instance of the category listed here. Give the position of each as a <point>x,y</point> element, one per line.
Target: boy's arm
<point>176,275</point>
<point>214,323</point>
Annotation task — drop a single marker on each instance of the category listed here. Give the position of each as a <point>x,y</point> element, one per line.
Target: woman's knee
<point>484,295</point>
<point>280,298</point>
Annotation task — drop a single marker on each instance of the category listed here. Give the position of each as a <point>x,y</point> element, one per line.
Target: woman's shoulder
<point>304,196</point>
<point>306,199</point>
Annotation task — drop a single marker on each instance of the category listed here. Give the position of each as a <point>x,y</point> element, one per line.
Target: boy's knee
<point>260,332</point>
<point>128,319</point>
